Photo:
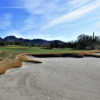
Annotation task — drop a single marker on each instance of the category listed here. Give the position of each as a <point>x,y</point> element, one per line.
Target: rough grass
<point>11,52</point>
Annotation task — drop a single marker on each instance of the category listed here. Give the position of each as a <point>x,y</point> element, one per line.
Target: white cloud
<point>52,10</point>
<point>47,8</point>
<point>14,33</point>
<point>74,14</point>
<point>78,2</point>
<point>51,6</point>
<point>31,5</point>
<point>44,10</point>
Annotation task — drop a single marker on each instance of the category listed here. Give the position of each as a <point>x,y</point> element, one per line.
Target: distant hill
<point>38,42</point>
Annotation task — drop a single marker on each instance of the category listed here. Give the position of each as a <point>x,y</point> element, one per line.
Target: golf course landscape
<point>49,74</point>
<point>49,49</point>
<point>14,56</point>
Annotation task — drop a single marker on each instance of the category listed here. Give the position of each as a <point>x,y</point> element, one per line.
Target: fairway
<point>12,51</point>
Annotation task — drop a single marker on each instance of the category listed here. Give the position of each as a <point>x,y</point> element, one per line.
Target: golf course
<point>14,56</point>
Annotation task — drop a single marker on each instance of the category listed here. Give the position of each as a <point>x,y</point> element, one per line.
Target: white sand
<point>55,79</point>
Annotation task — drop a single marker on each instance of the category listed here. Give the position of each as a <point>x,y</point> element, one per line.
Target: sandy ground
<point>55,79</point>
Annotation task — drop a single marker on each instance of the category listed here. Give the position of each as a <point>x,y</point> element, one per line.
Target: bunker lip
<point>17,62</point>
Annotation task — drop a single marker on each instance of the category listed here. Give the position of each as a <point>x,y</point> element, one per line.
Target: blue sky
<point>49,19</point>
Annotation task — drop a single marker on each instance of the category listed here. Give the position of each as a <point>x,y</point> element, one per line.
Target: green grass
<point>12,51</point>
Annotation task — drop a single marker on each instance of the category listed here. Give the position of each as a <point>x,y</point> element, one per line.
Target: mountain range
<point>38,42</point>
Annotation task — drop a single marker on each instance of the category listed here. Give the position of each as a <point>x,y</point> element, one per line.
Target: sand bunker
<point>55,79</point>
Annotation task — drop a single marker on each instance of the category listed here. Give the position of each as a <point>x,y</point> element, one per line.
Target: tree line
<point>83,41</point>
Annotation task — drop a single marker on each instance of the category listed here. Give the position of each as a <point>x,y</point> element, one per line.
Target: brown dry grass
<point>8,63</point>
<point>15,63</point>
<point>1,52</point>
<point>90,52</point>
